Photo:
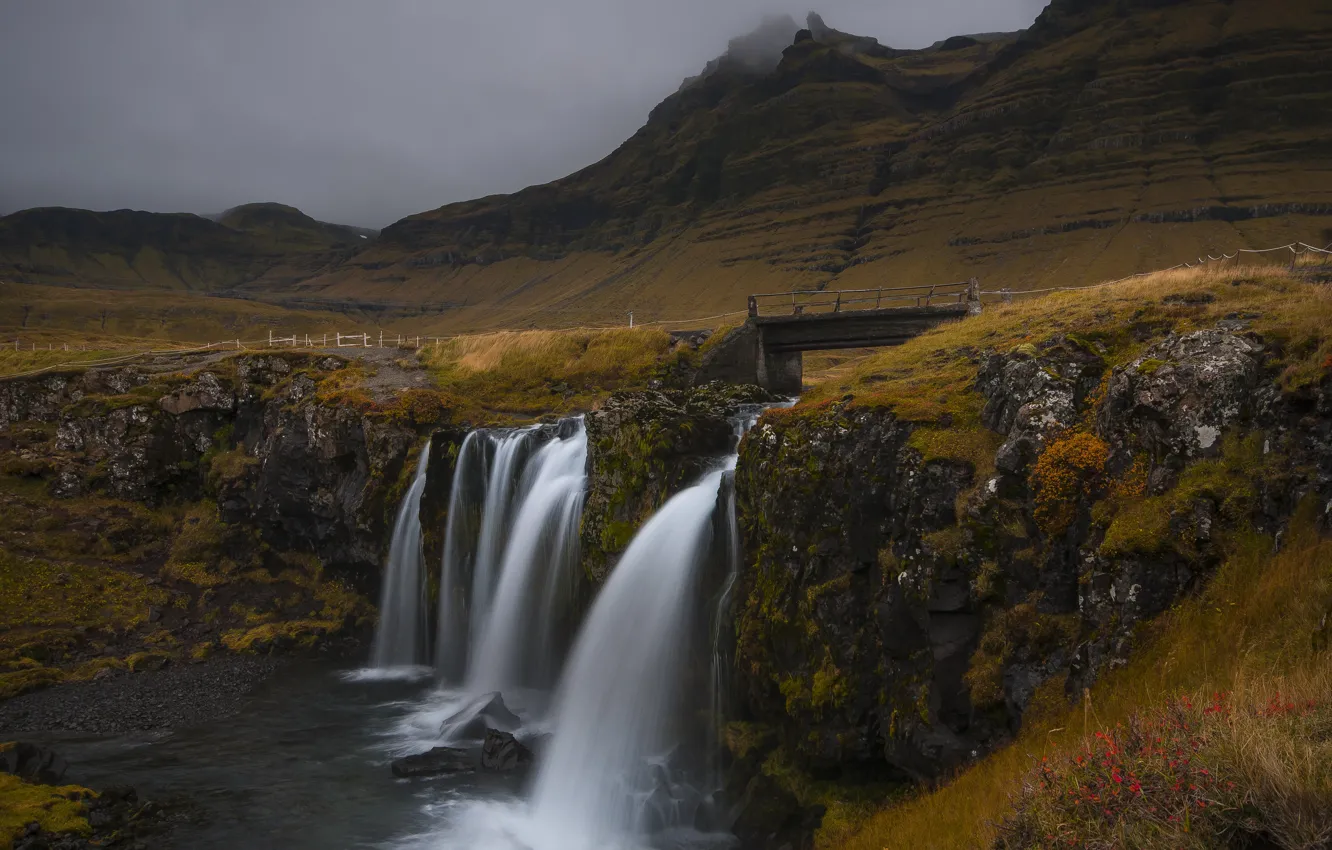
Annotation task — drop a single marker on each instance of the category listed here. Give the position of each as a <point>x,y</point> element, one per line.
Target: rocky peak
<point>755,53</point>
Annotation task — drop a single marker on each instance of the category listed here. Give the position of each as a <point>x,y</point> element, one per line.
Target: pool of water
<point>304,765</point>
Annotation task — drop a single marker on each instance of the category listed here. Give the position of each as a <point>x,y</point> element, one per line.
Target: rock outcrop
<point>899,612</point>
<point>302,472</point>
<point>642,448</point>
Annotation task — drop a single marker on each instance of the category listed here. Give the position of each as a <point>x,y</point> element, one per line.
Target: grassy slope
<point>56,316</point>
<point>1255,620</point>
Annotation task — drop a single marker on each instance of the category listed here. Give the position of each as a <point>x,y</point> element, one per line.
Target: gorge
<point>679,615</point>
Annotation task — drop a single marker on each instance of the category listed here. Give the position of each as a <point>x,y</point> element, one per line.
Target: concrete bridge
<point>781,326</point>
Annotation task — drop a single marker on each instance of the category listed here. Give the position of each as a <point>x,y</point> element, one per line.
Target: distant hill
<point>288,225</point>
<point>1112,136</point>
<point>143,250</point>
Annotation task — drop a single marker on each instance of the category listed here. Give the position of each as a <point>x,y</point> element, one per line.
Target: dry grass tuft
<point>530,372</point>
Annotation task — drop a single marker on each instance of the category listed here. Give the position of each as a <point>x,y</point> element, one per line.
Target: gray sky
<point>364,112</point>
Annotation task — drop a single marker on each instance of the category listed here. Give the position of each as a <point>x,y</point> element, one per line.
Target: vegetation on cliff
<point>954,541</point>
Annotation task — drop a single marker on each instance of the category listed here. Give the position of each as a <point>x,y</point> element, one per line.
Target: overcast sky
<point>364,112</point>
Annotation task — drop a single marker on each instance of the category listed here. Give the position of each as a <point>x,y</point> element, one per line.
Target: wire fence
<point>382,339</point>
<point>1296,250</point>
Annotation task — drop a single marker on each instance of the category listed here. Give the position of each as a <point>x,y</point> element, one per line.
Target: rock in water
<point>436,761</point>
<point>502,752</point>
<point>33,763</point>
<point>472,721</point>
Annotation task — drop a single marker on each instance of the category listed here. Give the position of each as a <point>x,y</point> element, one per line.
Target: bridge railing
<point>802,302</point>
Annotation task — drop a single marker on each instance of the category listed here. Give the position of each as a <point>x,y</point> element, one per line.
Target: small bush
<point>1187,776</point>
<point>1066,474</point>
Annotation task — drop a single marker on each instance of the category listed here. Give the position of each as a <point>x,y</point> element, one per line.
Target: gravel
<point>179,695</point>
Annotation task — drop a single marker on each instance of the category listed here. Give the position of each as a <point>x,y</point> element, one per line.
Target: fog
<point>362,113</point>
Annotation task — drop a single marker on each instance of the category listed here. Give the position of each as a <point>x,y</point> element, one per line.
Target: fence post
<point>973,297</point>
<point>878,299</point>
<point>381,339</point>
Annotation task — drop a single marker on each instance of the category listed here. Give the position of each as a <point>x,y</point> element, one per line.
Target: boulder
<point>33,763</point>
<point>504,753</point>
<point>1176,399</point>
<point>1034,392</point>
<point>477,718</point>
<point>434,762</point>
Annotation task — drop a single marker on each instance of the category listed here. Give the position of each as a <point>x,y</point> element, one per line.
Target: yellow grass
<point>1249,632</point>
<point>933,374</point>
<point>57,809</point>
<point>533,372</point>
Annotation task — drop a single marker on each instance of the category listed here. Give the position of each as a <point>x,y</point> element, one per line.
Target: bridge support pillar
<point>780,372</point>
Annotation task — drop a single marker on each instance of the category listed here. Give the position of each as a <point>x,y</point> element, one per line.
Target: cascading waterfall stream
<point>400,635</point>
<point>510,555</point>
<point>511,452</point>
<point>535,577</point>
<point>617,703</point>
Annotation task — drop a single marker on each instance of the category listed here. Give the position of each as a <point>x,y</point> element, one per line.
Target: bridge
<point>782,325</point>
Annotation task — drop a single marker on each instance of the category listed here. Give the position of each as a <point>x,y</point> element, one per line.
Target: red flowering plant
<point>1168,779</point>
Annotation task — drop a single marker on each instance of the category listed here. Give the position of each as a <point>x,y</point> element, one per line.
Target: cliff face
<point>914,585</point>
<point>251,432</point>
<point>161,513</point>
<point>643,448</point>
<point>1107,139</point>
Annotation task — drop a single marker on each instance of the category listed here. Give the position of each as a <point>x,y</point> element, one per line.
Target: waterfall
<point>462,527</point>
<point>400,634</point>
<point>511,450</point>
<point>617,704</point>
<point>510,555</point>
<point>536,577</point>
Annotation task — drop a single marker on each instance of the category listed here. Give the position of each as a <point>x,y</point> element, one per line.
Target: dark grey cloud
<point>363,112</point>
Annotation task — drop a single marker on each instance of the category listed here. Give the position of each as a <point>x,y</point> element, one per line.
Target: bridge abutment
<point>780,372</point>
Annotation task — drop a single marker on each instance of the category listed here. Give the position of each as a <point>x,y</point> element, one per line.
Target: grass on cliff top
<point>532,372</point>
<point>1255,631</point>
<point>930,378</point>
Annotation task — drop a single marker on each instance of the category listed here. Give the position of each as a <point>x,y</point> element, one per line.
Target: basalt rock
<point>33,763</point>
<point>475,720</point>
<point>642,448</point>
<point>1034,392</point>
<point>503,753</point>
<point>249,431</point>
<point>1178,398</point>
<point>434,762</point>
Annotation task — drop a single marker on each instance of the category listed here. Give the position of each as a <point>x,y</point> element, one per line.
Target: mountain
<point>129,249</point>
<point>1112,136</point>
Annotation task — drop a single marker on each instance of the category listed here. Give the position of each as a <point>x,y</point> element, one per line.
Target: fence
<point>803,302</point>
<point>1296,249</point>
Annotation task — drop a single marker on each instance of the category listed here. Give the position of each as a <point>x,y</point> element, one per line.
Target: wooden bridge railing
<point>802,302</point>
